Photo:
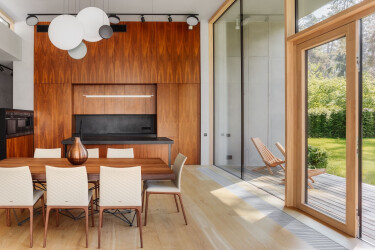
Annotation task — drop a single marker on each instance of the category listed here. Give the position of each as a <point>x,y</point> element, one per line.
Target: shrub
<point>317,157</point>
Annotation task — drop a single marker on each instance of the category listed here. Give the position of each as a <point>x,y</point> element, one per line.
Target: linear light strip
<point>118,96</point>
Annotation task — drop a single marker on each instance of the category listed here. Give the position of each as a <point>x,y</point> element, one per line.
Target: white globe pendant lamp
<point>65,32</point>
<point>92,19</point>
<point>79,52</point>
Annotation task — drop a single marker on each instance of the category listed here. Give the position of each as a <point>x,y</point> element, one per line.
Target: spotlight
<point>1,69</point>
<point>32,20</point>
<point>143,18</point>
<point>192,21</point>
<point>114,19</point>
<point>169,18</point>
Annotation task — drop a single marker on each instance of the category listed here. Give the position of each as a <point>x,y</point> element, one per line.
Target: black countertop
<point>119,139</point>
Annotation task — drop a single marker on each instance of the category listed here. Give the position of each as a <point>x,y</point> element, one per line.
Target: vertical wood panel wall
<point>164,54</point>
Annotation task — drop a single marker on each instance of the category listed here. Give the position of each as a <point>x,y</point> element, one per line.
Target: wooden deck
<point>328,195</point>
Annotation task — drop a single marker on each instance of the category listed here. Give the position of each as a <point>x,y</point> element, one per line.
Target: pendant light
<point>65,32</point>
<point>92,19</point>
<point>79,52</point>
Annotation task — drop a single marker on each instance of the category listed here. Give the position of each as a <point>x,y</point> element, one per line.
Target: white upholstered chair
<point>16,187</point>
<point>167,187</point>
<point>67,189</point>
<point>47,153</point>
<point>120,153</point>
<point>120,188</point>
<point>93,153</point>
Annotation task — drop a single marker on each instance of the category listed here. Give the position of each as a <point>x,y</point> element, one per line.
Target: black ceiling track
<point>116,28</point>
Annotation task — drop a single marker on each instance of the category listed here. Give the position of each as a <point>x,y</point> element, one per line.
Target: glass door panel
<point>368,129</point>
<point>325,187</point>
<point>227,91</point>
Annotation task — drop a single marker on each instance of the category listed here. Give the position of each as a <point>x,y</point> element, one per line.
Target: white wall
<point>205,117</point>
<point>10,45</point>
<point>23,71</point>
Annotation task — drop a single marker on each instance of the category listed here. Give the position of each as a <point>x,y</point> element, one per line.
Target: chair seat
<point>36,195</point>
<point>161,187</point>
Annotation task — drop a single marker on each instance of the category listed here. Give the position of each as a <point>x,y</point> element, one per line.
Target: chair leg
<point>143,194</point>
<point>100,225</point>
<point>43,210</point>
<point>87,226</point>
<point>92,212</point>
<point>182,207</point>
<point>312,180</point>
<point>139,223</point>
<point>96,194</point>
<point>8,217</point>
<point>147,197</point>
<point>175,199</point>
<point>46,227</point>
<point>310,185</point>
<point>57,217</point>
<point>31,209</point>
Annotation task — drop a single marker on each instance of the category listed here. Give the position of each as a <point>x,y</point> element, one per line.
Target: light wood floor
<point>218,219</point>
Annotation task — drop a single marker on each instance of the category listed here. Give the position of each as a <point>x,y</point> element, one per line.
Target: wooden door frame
<point>350,32</point>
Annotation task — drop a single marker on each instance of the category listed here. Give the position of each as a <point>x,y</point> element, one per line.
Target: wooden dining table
<point>152,169</point>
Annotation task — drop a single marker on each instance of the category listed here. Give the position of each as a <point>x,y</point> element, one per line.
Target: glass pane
<point>312,12</point>
<point>368,128</point>
<point>227,91</point>
<point>326,129</point>
<point>264,104</point>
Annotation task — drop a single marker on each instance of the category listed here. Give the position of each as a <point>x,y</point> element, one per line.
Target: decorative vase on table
<point>77,153</point>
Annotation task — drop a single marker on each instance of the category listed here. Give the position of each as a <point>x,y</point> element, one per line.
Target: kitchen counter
<point>120,140</point>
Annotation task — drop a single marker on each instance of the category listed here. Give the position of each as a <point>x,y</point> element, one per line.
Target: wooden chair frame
<point>31,209</point>
<point>139,220</point>
<point>85,208</point>
<point>276,161</point>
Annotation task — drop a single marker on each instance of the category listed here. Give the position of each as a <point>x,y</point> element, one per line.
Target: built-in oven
<point>18,122</point>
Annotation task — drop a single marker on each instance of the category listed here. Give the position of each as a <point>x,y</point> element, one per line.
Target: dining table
<point>151,168</point>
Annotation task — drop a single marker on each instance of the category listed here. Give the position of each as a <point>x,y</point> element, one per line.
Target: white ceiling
<point>17,9</point>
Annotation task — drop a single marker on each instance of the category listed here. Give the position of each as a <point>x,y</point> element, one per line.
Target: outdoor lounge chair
<point>268,158</point>
<point>311,172</point>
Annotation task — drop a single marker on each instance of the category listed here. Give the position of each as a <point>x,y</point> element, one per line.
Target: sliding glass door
<point>227,91</point>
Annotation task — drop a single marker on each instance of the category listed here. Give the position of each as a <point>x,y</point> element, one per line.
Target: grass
<point>336,156</point>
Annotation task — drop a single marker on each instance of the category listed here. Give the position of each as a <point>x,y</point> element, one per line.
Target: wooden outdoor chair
<point>268,158</point>
<point>311,172</point>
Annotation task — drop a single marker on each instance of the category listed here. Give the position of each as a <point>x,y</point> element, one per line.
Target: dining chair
<point>17,191</point>
<point>120,189</point>
<point>120,153</point>
<point>168,187</point>
<point>47,153</point>
<point>93,153</point>
<point>67,189</point>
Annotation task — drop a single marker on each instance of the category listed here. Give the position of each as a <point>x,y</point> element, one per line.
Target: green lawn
<point>336,156</point>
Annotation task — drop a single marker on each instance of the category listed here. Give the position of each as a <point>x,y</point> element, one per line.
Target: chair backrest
<point>120,186</point>
<point>264,152</point>
<point>47,153</point>
<point>281,148</point>
<point>67,186</point>
<point>179,163</point>
<point>120,153</point>
<point>93,153</point>
<point>16,187</point>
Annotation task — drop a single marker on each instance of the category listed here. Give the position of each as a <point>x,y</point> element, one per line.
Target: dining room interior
<point>187,124</point>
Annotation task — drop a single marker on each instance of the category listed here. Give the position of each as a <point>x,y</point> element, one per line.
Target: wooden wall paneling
<point>52,114</point>
<point>135,59</point>
<point>98,64</point>
<point>114,105</point>
<point>84,105</point>
<point>22,146</point>
<point>166,40</point>
<point>50,63</point>
<point>135,105</point>
<point>191,57</point>
<point>167,114</point>
<point>150,103</point>
<point>189,122</point>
